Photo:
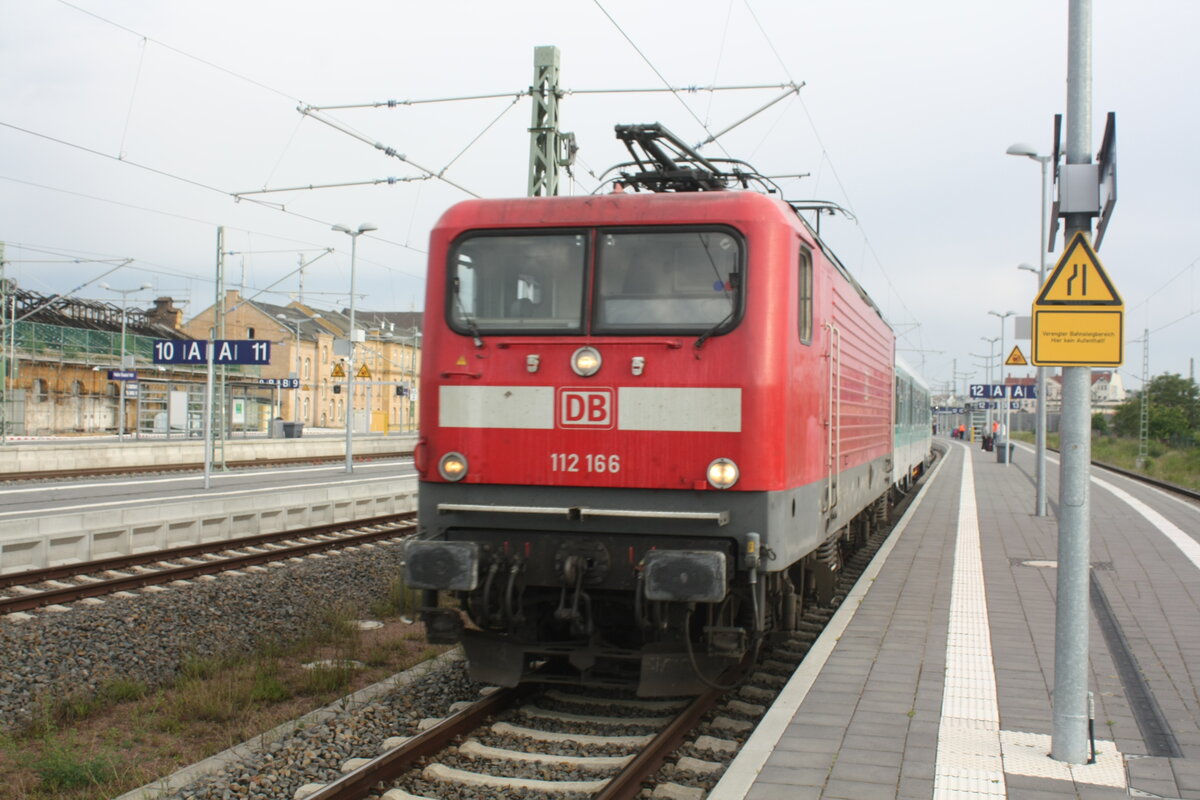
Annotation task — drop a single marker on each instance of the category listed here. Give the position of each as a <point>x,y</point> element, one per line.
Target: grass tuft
<point>61,767</point>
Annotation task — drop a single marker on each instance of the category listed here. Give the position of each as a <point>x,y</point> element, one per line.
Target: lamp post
<point>121,397</point>
<point>353,234</point>
<point>991,340</point>
<point>1000,369</point>
<point>1021,149</point>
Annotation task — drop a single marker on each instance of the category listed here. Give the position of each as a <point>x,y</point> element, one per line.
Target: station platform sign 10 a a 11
<point>225,351</point>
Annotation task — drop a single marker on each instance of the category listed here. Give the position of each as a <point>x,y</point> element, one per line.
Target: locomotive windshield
<point>518,283</point>
<point>666,281</point>
<point>648,280</point>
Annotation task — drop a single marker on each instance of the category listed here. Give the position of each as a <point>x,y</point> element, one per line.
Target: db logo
<point>585,408</point>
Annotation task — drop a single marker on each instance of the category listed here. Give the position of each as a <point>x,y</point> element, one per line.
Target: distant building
<point>62,350</point>
<point>312,346</point>
<point>1108,390</point>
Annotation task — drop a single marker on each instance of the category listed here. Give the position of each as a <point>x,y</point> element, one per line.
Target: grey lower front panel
<point>790,523</point>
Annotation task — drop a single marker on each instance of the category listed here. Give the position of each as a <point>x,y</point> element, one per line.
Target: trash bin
<point>1004,451</point>
<point>293,430</point>
<point>277,428</point>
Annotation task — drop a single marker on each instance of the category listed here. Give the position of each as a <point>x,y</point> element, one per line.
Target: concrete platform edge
<point>740,775</point>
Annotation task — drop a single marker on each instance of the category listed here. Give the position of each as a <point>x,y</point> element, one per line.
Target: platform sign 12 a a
<point>1078,317</point>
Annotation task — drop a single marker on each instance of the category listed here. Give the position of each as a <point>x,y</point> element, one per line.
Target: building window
<point>249,333</point>
<point>307,368</point>
<point>41,392</point>
<point>76,388</point>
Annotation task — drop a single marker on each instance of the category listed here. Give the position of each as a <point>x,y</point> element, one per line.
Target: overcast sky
<point>127,126</point>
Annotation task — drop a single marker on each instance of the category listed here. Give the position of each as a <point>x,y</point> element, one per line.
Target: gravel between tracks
<point>273,770</point>
<point>149,636</point>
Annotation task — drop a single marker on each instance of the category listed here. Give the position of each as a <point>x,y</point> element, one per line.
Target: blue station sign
<point>998,391</point>
<point>225,351</point>
<point>282,383</point>
<point>122,375</point>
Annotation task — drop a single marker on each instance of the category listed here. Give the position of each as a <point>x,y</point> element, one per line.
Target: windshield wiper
<point>708,334</point>
<point>466,318</point>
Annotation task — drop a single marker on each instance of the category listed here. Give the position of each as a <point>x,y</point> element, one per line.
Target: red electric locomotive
<point>650,423</point>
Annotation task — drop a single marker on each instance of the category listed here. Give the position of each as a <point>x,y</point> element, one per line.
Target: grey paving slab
<point>794,776</point>
<point>874,713</point>
<point>858,790</point>
<point>771,791</point>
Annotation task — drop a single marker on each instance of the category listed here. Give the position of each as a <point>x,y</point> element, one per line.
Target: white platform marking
<point>969,762</point>
<point>973,753</point>
<point>1189,546</point>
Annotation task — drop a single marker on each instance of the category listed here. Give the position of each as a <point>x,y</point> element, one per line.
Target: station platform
<point>934,678</point>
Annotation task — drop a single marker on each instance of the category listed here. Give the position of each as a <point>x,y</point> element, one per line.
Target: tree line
<point>1174,416</point>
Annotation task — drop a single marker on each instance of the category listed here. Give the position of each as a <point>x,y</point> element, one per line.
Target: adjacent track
<point>265,548</point>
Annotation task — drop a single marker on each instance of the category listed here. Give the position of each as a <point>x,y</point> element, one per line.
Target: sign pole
<point>208,402</point>
<point>1069,737</point>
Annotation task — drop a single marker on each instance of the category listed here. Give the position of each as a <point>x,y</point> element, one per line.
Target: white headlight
<point>453,466</point>
<point>586,361</point>
<point>722,473</point>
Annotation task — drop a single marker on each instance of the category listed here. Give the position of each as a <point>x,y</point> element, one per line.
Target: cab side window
<point>805,281</point>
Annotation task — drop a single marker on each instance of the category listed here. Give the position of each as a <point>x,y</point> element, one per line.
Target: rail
<point>388,527</point>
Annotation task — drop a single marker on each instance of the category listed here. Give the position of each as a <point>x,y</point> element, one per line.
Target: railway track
<point>260,463</point>
<point>1173,488</point>
<point>38,588</point>
<point>538,742</point>
<point>637,736</point>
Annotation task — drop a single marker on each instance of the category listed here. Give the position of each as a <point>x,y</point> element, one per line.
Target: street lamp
<point>1029,152</point>
<point>121,399</point>
<point>363,228</point>
<point>991,340</point>
<point>1000,365</point>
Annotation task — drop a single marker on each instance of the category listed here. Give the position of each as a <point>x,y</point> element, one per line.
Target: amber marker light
<point>586,361</point>
<point>722,473</point>
<point>453,466</point>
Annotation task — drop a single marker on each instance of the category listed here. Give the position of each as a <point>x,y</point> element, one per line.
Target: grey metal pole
<point>1069,736</point>
<point>350,363</point>
<point>1007,401</point>
<point>208,405</point>
<point>296,389</point>
<point>363,228</point>
<point>121,383</point>
<point>1039,507</point>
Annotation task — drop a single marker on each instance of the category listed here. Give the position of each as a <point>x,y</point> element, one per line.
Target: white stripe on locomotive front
<point>686,409</point>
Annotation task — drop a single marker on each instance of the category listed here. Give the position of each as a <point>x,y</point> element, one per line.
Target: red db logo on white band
<point>586,408</point>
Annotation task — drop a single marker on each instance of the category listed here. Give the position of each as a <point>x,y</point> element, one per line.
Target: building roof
<point>98,315</point>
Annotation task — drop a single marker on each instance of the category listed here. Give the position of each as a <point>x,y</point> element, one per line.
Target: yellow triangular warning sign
<point>363,372</point>
<point>1078,279</point>
<point>338,371</point>
<point>1016,358</point>
<point>462,361</point>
